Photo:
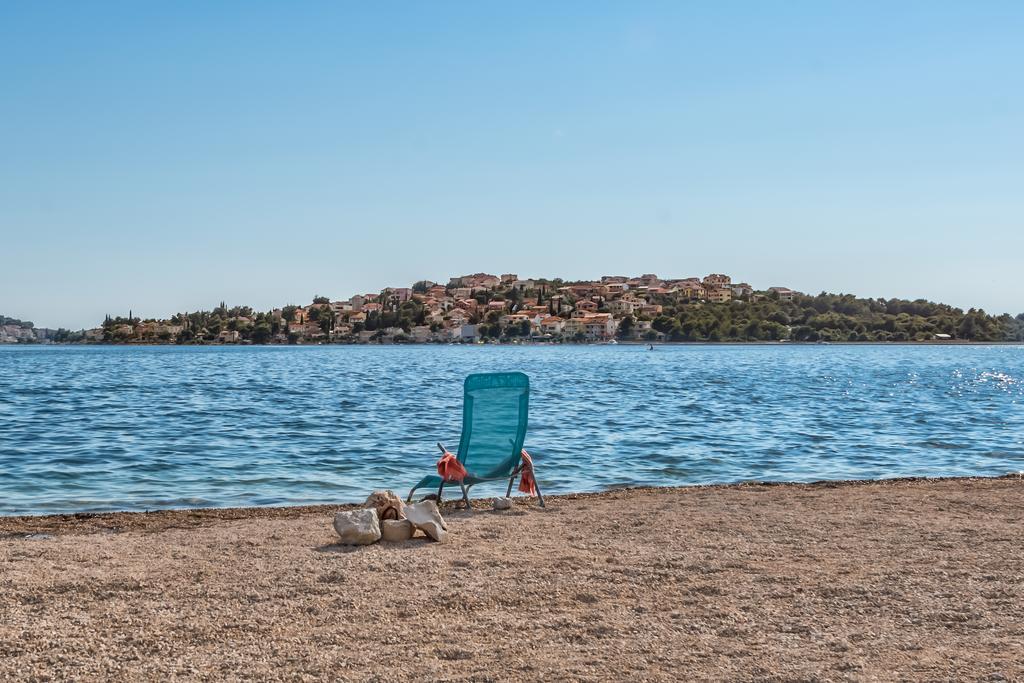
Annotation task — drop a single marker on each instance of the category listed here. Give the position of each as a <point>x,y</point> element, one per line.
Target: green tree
<point>262,333</point>
<point>326,320</point>
<point>626,327</point>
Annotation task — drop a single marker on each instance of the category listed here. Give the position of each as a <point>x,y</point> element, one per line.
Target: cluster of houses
<point>470,307</point>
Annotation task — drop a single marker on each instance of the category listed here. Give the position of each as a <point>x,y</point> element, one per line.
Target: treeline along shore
<point>490,308</point>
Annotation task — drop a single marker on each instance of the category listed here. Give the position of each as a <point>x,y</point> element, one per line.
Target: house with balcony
<point>539,312</point>
<point>511,319</point>
<point>397,295</point>
<point>594,327</point>
<point>694,292</point>
<point>742,290</point>
<point>574,327</point>
<point>599,326</point>
<point>552,325</point>
<point>715,280</point>
<point>720,295</point>
<point>785,293</point>
<point>622,307</point>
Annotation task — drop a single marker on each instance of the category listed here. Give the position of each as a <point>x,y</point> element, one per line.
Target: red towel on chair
<point>450,468</point>
<point>527,484</point>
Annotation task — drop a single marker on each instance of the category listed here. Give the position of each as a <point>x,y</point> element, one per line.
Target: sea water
<point>92,428</point>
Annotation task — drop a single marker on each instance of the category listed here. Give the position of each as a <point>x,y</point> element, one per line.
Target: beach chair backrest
<point>494,415</point>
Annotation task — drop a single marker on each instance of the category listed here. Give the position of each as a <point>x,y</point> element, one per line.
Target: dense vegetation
<point>831,317</point>
<point>25,324</point>
<point>824,317</point>
<point>201,326</point>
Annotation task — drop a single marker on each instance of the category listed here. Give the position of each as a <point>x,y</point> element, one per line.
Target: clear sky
<point>167,156</point>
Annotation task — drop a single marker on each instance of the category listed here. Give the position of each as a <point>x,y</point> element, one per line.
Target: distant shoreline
<point>176,517</point>
<point>930,342</point>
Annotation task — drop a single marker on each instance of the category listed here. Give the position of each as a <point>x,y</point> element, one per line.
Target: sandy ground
<point>914,580</point>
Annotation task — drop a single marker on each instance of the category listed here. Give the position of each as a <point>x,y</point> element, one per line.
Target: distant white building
<point>785,293</point>
<point>622,306</point>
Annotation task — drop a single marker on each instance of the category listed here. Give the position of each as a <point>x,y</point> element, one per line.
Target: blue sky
<point>167,156</point>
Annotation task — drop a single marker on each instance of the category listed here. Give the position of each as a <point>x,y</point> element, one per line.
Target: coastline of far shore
<point>912,579</point>
<point>617,342</point>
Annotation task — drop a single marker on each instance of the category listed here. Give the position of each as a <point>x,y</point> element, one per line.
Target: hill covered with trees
<point>831,317</point>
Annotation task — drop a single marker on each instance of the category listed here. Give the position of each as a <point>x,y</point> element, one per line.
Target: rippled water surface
<point>103,428</point>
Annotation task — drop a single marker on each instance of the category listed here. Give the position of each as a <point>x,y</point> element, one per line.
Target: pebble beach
<point>887,580</point>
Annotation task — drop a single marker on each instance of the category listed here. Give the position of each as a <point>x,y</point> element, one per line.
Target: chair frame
<point>516,468</point>
<point>465,488</point>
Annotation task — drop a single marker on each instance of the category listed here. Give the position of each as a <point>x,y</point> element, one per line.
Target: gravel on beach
<point>903,579</point>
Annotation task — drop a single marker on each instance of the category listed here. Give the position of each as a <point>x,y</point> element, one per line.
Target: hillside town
<point>466,309</point>
<point>485,308</point>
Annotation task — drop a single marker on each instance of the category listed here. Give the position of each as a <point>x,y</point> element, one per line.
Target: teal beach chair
<point>494,414</point>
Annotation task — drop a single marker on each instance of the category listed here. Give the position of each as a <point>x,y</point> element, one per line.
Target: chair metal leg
<point>441,487</point>
<point>511,480</point>
<point>536,485</point>
<point>465,496</point>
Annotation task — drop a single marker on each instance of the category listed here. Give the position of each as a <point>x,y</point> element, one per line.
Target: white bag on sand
<point>426,517</point>
<point>357,527</point>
